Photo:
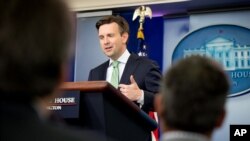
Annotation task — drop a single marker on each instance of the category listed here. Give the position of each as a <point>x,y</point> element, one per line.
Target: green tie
<point>115,74</point>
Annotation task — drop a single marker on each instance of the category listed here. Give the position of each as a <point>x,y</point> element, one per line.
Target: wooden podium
<point>104,108</point>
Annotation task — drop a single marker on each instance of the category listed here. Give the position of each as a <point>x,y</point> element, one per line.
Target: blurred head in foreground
<point>193,96</point>
<point>34,47</point>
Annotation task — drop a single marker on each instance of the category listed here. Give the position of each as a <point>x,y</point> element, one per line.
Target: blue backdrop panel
<point>153,32</point>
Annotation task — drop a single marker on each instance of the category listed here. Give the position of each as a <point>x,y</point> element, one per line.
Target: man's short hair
<point>34,40</point>
<point>194,94</point>
<point>122,23</point>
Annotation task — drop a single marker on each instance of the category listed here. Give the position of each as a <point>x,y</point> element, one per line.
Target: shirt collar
<point>184,135</point>
<point>122,59</point>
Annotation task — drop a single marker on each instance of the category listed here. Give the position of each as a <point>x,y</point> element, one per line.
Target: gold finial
<point>143,12</point>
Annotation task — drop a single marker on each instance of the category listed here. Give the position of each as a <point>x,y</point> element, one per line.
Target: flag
<point>142,51</point>
<point>142,48</point>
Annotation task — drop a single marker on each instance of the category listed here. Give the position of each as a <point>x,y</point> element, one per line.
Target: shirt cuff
<point>141,99</point>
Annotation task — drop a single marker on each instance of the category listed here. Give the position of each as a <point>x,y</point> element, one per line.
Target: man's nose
<point>106,40</point>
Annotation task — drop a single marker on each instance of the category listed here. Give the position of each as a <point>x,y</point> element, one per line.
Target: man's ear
<point>159,108</point>
<point>64,73</point>
<point>125,37</point>
<point>61,78</point>
<point>220,118</point>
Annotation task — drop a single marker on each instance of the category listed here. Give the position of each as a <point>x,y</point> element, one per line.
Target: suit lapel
<point>129,69</point>
<point>103,71</point>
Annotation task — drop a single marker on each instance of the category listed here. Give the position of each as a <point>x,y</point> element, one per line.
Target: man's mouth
<point>108,48</point>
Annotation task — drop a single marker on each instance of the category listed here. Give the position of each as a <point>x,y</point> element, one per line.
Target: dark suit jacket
<point>20,122</point>
<point>145,71</point>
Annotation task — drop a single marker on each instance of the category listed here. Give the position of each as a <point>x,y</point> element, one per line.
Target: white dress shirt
<point>122,63</point>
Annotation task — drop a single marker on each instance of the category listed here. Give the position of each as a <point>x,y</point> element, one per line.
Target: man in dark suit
<point>34,49</point>
<point>136,77</point>
<point>191,104</point>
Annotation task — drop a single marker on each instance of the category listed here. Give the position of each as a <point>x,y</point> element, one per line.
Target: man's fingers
<point>132,80</point>
<point>122,85</point>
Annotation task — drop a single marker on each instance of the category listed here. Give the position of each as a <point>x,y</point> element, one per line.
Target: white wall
<point>88,53</point>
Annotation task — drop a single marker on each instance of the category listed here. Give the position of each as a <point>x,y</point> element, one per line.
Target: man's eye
<point>111,35</point>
